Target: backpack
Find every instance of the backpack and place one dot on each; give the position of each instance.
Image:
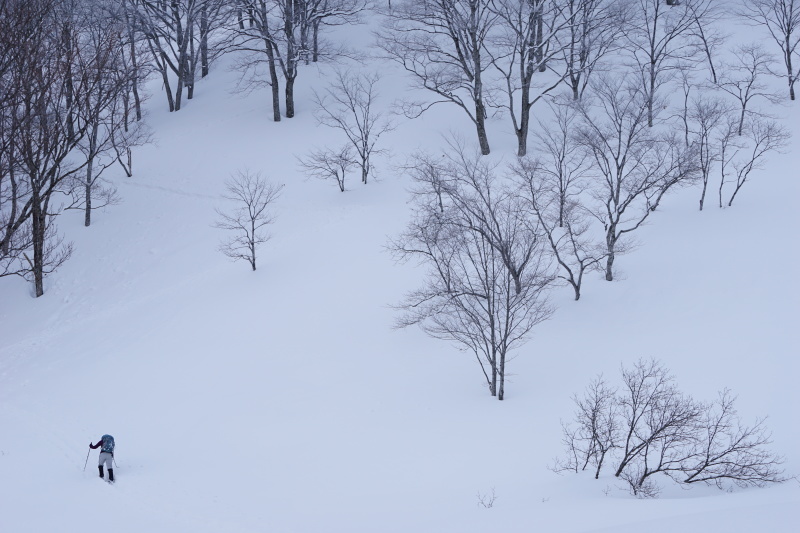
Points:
(108, 444)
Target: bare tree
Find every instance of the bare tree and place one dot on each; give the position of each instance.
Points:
(469, 295)
(744, 78)
(567, 229)
(330, 164)
(658, 425)
(552, 187)
(52, 70)
(525, 45)
(707, 32)
(177, 34)
(348, 104)
(441, 43)
(781, 18)
(657, 38)
(133, 49)
(593, 32)
(635, 165)
(318, 13)
(731, 451)
(741, 156)
(706, 120)
(20, 23)
(258, 47)
(596, 429)
(103, 107)
(253, 197)
(281, 36)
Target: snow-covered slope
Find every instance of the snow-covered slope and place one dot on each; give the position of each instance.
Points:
(282, 400)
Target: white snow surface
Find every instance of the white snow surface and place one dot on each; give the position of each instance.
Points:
(283, 401)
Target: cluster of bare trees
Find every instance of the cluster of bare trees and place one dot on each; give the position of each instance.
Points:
(65, 86)
(605, 162)
(349, 105)
(646, 426)
(280, 36)
(485, 55)
(495, 237)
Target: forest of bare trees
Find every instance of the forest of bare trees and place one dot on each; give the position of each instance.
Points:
(613, 105)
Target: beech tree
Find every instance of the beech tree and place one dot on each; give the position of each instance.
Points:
(593, 32)
(657, 40)
(740, 155)
(104, 107)
(279, 36)
(52, 71)
(635, 165)
(246, 220)
(552, 187)
(524, 49)
(487, 273)
(743, 78)
(708, 118)
(441, 43)
(177, 33)
(781, 18)
(349, 105)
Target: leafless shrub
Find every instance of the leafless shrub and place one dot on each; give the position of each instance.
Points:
(487, 500)
(649, 427)
(596, 430)
(329, 164)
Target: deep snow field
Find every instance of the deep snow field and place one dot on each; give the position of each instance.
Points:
(283, 401)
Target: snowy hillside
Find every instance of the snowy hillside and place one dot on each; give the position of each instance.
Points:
(283, 400)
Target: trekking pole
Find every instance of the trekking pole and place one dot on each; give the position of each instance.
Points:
(87, 460)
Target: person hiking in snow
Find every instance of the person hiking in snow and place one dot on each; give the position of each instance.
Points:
(106, 445)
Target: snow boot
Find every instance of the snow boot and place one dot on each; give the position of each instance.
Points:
(111, 475)
(100, 468)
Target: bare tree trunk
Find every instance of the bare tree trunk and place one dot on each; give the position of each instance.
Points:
(480, 110)
(165, 79)
(789, 68)
(87, 219)
(502, 372)
(190, 65)
(39, 222)
(315, 42)
(135, 67)
(524, 121)
(276, 99)
(611, 242)
(539, 37)
(289, 92)
(703, 195)
(651, 94)
(480, 123)
(204, 42)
